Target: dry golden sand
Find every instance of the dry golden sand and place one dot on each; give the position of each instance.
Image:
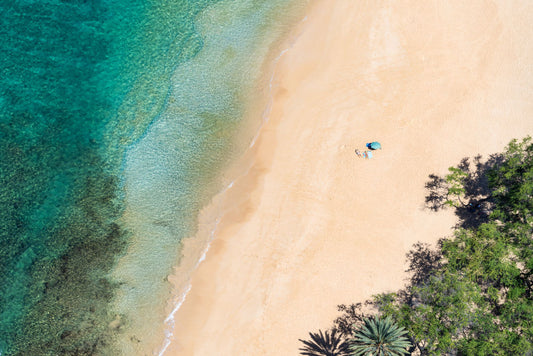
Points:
(311, 225)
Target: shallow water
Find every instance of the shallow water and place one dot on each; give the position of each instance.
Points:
(115, 120)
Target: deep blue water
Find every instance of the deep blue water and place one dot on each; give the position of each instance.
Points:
(67, 69)
(116, 117)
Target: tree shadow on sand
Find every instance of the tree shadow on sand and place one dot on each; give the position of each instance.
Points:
(474, 205)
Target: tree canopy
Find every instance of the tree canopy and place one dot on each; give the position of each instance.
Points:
(472, 295)
(380, 337)
(325, 344)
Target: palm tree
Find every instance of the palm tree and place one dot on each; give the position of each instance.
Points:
(380, 337)
(325, 345)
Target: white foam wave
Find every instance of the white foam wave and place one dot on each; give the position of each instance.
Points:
(170, 321)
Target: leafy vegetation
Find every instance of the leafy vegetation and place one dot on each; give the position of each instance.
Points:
(325, 345)
(473, 294)
(380, 337)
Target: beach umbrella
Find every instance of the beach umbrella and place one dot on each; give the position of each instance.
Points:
(374, 145)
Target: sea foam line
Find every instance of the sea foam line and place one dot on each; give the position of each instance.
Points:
(169, 320)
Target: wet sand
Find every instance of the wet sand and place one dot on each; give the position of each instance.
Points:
(310, 225)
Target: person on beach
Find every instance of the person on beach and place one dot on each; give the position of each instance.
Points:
(358, 153)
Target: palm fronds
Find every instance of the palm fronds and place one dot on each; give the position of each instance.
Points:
(325, 345)
(380, 337)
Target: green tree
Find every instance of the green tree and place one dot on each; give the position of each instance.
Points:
(512, 183)
(437, 313)
(380, 337)
(456, 187)
(325, 345)
(473, 294)
(476, 296)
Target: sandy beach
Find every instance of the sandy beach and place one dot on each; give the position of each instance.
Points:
(310, 225)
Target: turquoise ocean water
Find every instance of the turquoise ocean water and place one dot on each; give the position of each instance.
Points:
(116, 117)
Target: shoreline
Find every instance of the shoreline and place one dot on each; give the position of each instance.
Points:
(310, 223)
(194, 249)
